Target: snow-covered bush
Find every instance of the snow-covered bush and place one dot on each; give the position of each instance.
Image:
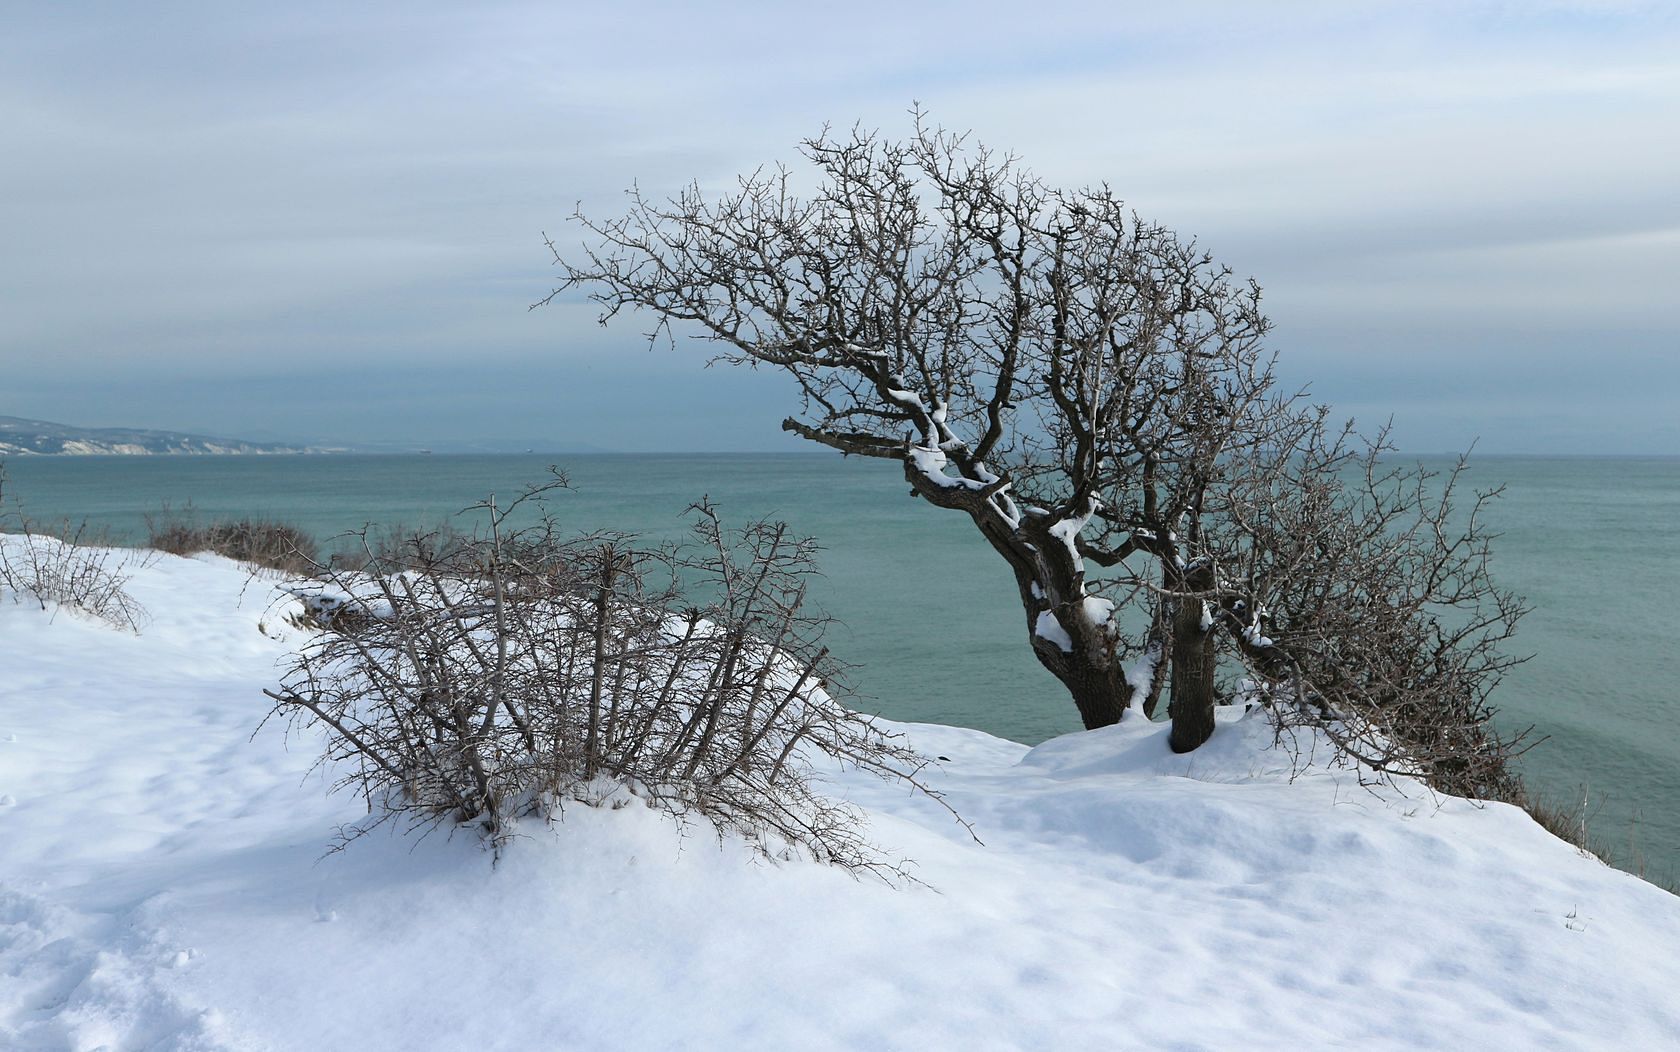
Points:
(504, 673)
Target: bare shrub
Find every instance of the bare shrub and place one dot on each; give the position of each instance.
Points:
(405, 547)
(88, 579)
(1358, 592)
(479, 678)
(272, 545)
(68, 568)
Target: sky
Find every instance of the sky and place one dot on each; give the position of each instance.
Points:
(324, 222)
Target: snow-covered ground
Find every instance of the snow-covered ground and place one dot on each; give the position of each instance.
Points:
(163, 886)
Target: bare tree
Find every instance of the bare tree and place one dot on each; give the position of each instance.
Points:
(1092, 392)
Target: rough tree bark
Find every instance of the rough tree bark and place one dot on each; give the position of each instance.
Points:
(1193, 639)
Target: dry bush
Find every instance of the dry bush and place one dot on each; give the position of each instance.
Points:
(399, 547)
(88, 579)
(484, 677)
(272, 545)
(68, 567)
(1358, 593)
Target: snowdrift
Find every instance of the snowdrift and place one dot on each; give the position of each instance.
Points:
(165, 883)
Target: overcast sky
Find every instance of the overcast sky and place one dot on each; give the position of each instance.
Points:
(323, 221)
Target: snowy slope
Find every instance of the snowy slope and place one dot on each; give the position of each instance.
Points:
(162, 885)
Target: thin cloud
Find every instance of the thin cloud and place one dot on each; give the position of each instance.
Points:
(206, 190)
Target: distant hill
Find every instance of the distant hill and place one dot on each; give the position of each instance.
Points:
(19, 437)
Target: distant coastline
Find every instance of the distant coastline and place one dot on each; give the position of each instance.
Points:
(21, 437)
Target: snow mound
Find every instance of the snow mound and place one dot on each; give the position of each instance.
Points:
(163, 885)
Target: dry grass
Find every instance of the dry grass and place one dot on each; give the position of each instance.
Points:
(1576, 822)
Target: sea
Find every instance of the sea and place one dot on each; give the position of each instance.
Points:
(928, 615)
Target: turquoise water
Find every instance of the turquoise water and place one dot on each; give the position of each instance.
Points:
(930, 616)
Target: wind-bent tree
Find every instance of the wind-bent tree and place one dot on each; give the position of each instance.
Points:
(1093, 393)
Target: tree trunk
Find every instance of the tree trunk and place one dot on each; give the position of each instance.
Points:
(1156, 649)
(1100, 696)
(1049, 579)
(1191, 703)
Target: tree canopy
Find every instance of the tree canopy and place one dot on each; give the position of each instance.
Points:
(1094, 392)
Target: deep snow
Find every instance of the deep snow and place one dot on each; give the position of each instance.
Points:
(163, 885)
